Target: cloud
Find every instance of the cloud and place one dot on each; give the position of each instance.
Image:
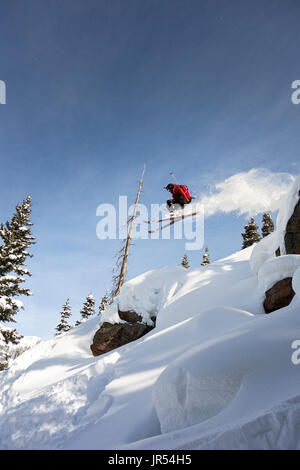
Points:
(248, 193)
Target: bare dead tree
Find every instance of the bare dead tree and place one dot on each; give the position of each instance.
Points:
(123, 253)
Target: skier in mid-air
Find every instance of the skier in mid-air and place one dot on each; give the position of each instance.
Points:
(180, 195)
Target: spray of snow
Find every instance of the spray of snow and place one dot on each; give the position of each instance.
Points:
(248, 193)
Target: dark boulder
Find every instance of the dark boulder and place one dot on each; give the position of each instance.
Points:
(279, 295)
(130, 316)
(111, 336)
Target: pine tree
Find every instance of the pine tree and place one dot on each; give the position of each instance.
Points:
(87, 310)
(65, 314)
(206, 259)
(251, 234)
(7, 336)
(17, 238)
(185, 262)
(268, 225)
(4, 356)
(10, 335)
(104, 303)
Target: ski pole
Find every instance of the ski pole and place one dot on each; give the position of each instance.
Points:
(174, 177)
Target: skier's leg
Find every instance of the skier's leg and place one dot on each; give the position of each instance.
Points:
(173, 206)
(183, 202)
(170, 205)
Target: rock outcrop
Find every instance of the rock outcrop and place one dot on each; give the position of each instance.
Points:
(292, 235)
(280, 295)
(113, 335)
(129, 316)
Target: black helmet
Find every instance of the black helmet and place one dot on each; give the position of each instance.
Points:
(169, 187)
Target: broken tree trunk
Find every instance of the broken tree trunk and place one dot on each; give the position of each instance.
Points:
(122, 274)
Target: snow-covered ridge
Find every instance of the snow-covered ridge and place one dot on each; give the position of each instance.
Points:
(264, 263)
(276, 269)
(81, 391)
(266, 248)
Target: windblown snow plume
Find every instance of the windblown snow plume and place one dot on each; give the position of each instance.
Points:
(248, 193)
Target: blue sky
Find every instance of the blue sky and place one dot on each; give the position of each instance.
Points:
(97, 88)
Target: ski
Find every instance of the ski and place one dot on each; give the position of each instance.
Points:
(164, 226)
(172, 221)
(163, 219)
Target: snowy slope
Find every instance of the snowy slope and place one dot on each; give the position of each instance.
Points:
(25, 343)
(216, 372)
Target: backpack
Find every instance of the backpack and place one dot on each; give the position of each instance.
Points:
(185, 190)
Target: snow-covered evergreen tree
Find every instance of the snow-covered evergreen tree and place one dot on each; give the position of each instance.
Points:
(10, 349)
(104, 303)
(16, 238)
(8, 336)
(206, 259)
(3, 353)
(87, 310)
(268, 225)
(251, 234)
(65, 314)
(185, 262)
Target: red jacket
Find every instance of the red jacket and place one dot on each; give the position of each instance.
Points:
(181, 191)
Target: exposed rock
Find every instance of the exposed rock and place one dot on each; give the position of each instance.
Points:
(130, 316)
(292, 235)
(112, 336)
(279, 296)
(282, 293)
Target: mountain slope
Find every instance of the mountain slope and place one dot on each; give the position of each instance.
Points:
(216, 372)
